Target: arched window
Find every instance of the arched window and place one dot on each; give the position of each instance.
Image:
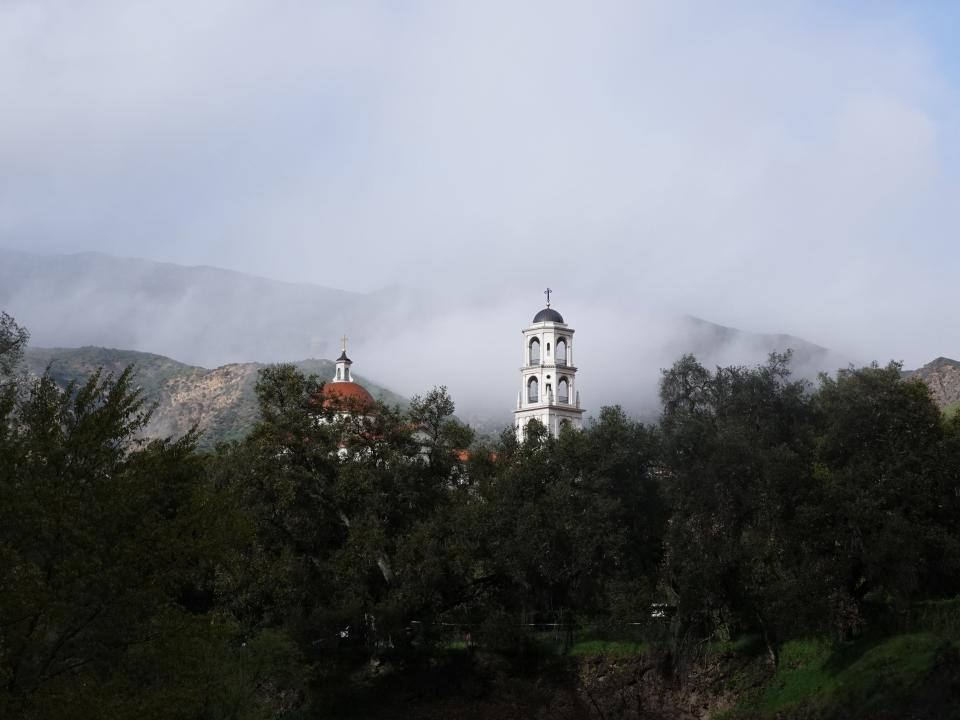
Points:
(535, 351)
(561, 356)
(346, 373)
(533, 390)
(339, 375)
(563, 391)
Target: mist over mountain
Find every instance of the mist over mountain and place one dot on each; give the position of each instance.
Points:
(200, 315)
(406, 339)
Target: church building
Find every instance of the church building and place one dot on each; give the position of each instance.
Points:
(548, 379)
(342, 394)
(548, 376)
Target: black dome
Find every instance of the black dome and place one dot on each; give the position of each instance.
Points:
(548, 315)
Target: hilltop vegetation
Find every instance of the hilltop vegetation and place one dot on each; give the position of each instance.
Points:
(798, 545)
(942, 376)
(222, 402)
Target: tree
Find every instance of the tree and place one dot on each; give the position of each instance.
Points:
(13, 341)
(432, 416)
(804, 512)
(347, 519)
(100, 536)
(737, 446)
(542, 538)
(883, 531)
(283, 476)
(618, 459)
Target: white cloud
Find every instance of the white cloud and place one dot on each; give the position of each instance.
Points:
(777, 167)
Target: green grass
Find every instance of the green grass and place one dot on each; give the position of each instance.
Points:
(939, 617)
(609, 648)
(590, 641)
(743, 645)
(856, 680)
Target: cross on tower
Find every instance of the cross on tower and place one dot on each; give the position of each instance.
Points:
(547, 293)
(343, 343)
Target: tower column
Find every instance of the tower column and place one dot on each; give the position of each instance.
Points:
(547, 329)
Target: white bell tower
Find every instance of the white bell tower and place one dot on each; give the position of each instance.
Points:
(548, 385)
(342, 364)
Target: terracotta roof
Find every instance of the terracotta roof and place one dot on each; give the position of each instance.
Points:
(347, 397)
(465, 455)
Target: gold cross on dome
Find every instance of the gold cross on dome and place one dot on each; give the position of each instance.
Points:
(343, 343)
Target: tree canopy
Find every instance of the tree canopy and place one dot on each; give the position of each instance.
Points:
(148, 579)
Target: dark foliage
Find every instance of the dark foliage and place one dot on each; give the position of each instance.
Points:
(262, 580)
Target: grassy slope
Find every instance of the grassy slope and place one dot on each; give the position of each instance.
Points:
(882, 677)
(863, 679)
(905, 675)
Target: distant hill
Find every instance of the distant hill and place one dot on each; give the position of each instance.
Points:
(942, 376)
(410, 337)
(721, 345)
(222, 401)
(204, 315)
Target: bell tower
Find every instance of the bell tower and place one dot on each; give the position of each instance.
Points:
(548, 377)
(343, 364)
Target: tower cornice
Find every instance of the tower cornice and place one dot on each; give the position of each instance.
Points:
(558, 368)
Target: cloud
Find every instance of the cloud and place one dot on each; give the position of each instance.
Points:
(776, 167)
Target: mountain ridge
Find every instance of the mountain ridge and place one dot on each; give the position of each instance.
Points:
(206, 315)
(220, 401)
(942, 376)
(211, 317)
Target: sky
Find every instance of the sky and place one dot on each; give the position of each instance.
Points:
(779, 167)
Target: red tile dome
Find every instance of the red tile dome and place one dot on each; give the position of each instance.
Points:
(347, 397)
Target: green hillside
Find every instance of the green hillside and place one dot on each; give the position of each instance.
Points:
(942, 376)
(221, 402)
(68, 364)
